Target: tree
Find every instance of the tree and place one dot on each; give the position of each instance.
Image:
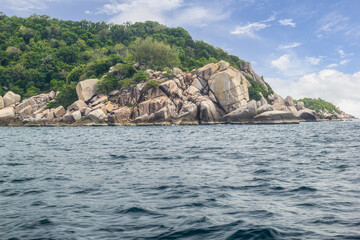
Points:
(154, 54)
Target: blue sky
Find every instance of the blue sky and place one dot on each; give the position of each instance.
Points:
(303, 48)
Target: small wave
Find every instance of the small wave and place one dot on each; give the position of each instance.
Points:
(12, 164)
(137, 211)
(21, 180)
(114, 156)
(33, 192)
(86, 190)
(256, 233)
(304, 189)
(261, 171)
(38, 203)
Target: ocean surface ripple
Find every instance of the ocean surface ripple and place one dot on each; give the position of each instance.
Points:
(181, 182)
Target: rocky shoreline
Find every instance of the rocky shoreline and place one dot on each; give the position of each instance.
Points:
(214, 94)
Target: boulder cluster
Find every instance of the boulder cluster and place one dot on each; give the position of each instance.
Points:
(215, 93)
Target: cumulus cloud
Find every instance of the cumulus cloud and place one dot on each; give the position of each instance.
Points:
(336, 87)
(250, 28)
(282, 63)
(169, 12)
(290, 45)
(313, 60)
(287, 22)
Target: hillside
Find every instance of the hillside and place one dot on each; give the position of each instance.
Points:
(39, 54)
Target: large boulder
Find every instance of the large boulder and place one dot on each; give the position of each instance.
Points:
(264, 108)
(76, 115)
(7, 114)
(76, 105)
(208, 70)
(188, 113)
(86, 89)
(25, 112)
(27, 102)
(300, 106)
(289, 101)
(1, 103)
(97, 116)
(275, 117)
(242, 115)
(151, 106)
(208, 112)
(307, 115)
(11, 98)
(171, 89)
(59, 112)
(229, 88)
(121, 115)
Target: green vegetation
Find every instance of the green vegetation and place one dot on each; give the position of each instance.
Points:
(67, 95)
(256, 89)
(38, 54)
(319, 105)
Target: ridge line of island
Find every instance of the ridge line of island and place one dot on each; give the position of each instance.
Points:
(214, 94)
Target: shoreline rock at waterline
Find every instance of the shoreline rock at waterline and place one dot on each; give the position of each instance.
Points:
(214, 94)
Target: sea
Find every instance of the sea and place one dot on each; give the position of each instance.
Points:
(181, 182)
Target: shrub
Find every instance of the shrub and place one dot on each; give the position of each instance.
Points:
(67, 95)
(154, 54)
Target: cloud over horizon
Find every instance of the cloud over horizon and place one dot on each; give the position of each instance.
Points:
(331, 85)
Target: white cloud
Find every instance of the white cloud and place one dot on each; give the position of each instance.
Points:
(28, 6)
(313, 60)
(333, 22)
(140, 10)
(290, 45)
(169, 12)
(88, 12)
(287, 22)
(282, 63)
(250, 28)
(343, 54)
(333, 65)
(336, 87)
(345, 61)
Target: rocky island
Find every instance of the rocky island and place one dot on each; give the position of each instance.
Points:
(214, 94)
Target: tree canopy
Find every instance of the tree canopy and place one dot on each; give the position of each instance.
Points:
(39, 54)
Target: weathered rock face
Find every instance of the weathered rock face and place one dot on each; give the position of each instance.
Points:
(76, 105)
(1, 103)
(246, 69)
(59, 111)
(11, 98)
(229, 88)
(86, 89)
(7, 114)
(275, 117)
(307, 115)
(97, 116)
(208, 112)
(216, 93)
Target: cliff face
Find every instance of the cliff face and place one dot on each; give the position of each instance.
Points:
(215, 93)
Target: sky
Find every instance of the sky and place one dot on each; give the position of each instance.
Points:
(303, 48)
